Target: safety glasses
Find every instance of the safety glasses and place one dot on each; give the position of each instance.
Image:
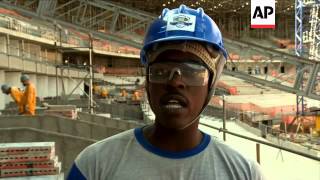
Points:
(192, 74)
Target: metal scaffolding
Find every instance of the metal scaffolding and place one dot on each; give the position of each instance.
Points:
(114, 22)
(304, 35)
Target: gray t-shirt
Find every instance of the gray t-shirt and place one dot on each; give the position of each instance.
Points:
(129, 156)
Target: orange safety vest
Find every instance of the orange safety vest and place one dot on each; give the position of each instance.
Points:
(136, 96)
(29, 100)
(104, 92)
(16, 95)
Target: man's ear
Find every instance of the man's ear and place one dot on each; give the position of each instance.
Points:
(146, 87)
(219, 69)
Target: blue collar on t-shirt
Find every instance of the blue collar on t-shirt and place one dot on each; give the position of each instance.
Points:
(168, 154)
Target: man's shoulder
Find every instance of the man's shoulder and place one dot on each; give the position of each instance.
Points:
(112, 143)
(31, 85)
(228, 154)
(15, 89)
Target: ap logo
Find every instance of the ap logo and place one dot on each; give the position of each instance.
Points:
(263, 14)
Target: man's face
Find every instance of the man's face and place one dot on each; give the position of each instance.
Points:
(25, 83)
(178, 101)
(5, 92)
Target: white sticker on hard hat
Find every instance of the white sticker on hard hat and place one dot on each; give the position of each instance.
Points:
(181, 22)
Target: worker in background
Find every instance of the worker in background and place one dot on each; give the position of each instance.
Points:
(16, 95)
(29, 96)
(136, 96)
(104, 92)
(123, 93)
(95, 89)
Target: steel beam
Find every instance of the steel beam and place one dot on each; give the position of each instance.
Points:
(90, 19)
(67, 12)
(100, 20)
(131, 27)
(80, 28)
(114, 21)
(65, 4)
(274, 85)
(29, 3)
(268, 51)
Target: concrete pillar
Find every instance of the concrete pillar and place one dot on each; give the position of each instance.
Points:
(60, 86)
(66, 85)
(52, 86)
(42, 86)
(12, 79)
(2, 96)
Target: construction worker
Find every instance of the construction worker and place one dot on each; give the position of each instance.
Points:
(95, 89)
(123, 93)
(136, 96)
(184, 56)
(29, 96)
(16, 95)
(104, 92)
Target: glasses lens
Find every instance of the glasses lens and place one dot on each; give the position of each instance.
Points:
(192, 74)
(159, 73)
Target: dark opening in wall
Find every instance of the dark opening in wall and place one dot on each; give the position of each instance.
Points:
(110, 63)
(282, 69)
(265, 69)
(249, 70)
(233, 68)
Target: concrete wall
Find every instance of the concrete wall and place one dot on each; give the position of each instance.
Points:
(77, 128)
(109, 122)
(65, 86)
(121, 110)
(3, 44)
(42, 86)
(51, 86)
(2, 96)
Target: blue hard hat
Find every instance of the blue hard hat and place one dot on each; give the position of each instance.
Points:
(5, 88)
(183, 23)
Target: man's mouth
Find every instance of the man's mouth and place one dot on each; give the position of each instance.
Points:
(174, 102)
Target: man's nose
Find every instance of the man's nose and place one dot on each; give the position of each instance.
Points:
(175, 78)
(175, 72)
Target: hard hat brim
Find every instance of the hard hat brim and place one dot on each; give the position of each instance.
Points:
(181, 38)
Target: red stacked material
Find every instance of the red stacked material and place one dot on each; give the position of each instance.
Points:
(231, 89)
(256, 57)
(234, 56)
(11, 12)
(28, 159)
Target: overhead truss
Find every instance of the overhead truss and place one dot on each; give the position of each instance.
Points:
(115, 22)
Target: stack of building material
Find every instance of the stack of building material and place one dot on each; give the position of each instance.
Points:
(69, 111)
(28, 159)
